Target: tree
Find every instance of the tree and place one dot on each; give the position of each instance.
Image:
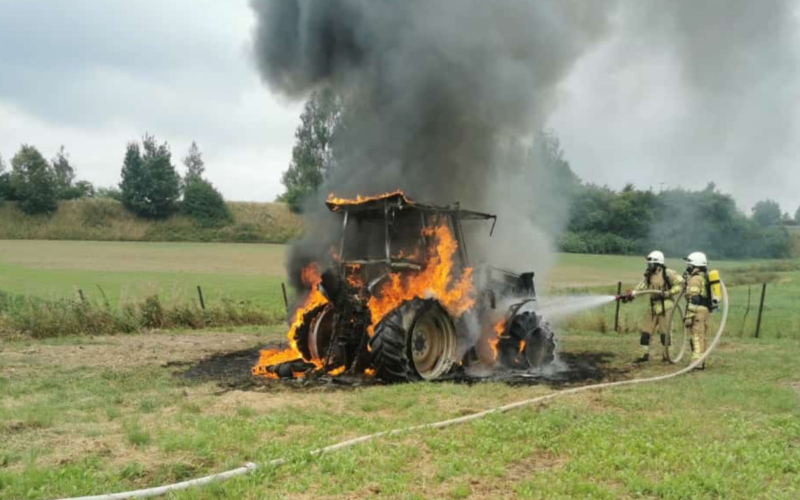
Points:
(767, 213)
(195, 166)
(797, 216)
(64, 173)
(5, 182)
(33, 182)
(312, 155)
(204, 203)
(150, 184)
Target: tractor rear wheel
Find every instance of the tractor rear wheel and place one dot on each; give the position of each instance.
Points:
(416, 341)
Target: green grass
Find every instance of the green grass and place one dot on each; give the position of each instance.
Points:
(89, 415)
(730, 432)
(130, 270)
(107, 220)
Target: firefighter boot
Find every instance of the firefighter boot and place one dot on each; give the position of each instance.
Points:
(697, 350)
(664, 348)
(644, 341)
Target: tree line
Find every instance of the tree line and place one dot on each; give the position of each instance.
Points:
(150, 185)
(585, 218)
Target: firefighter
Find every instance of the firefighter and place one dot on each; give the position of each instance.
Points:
(698, 303)
(665, 284)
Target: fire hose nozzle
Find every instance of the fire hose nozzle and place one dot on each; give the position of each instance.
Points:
(626, 297)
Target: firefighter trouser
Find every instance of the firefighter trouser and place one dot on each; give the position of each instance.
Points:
(655, 324)
(697, 323)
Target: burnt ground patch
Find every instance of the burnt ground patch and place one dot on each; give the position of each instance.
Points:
(231, 371)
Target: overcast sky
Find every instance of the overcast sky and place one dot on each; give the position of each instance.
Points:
(95, 74)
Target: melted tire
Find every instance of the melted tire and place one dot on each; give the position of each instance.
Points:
(509, 347)
(301, 335)
(539, 345)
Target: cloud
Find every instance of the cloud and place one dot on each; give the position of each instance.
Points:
(96, 75)
(680, 93)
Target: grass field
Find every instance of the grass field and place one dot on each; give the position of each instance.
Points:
(130, 271)
(89, 415)
(58, 269)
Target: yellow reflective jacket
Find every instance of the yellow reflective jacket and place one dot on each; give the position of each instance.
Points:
(696, 292)
(666, 281)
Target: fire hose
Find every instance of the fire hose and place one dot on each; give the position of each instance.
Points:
(250, 467)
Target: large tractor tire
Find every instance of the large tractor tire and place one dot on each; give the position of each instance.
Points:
(313, 336)
(416, 341)
(526, 343)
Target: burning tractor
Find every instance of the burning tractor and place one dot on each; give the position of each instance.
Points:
(402, 303)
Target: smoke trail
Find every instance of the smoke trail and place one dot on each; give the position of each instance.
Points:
(691, 92)
(436, 91)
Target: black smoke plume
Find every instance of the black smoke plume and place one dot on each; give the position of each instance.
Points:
(436, 93)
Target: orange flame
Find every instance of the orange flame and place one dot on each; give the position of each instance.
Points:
(358, 200)
(434, 280)
(336, 372)
(311, 278)
(498, 328)
(353, 279)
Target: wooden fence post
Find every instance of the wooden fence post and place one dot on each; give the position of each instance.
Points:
(761, 309)
(285, 297)
(616, 314)
(200, 295)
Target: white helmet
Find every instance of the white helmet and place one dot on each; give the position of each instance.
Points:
(697, 259)
(656, 258)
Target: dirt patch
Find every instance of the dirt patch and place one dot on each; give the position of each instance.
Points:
(122, 351)
(232, 372)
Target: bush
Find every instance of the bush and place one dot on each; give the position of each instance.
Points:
(81, 189)
(597, 243)
(33, 182)
(47, 319)
(205, 204)
(150, 185)
(110, 193)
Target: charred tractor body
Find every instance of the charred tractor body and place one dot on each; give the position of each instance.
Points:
(402, 301)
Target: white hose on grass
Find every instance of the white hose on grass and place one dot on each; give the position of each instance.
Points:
(250, 467)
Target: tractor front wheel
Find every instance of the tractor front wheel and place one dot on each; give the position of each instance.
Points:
(526, 343)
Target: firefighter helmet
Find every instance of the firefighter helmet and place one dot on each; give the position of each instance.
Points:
(696, 259)
(656, 257)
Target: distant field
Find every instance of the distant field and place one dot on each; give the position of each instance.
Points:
(58, 267)
(126, 270)
(579, 270)
(130, 271)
